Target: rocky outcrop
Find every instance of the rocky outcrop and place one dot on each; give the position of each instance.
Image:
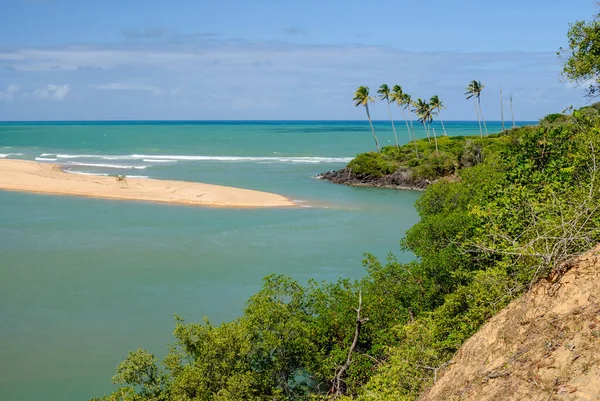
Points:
(543, 346)
(401, 179)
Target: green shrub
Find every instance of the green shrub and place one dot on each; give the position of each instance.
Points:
(372, 164)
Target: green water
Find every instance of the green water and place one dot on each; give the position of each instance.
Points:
(83, 281)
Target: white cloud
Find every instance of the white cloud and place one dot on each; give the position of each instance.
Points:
(255, 80)
(128, 87)
(9, 93)
(52, 92)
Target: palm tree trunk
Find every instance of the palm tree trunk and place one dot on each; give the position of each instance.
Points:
(412, 127)
(372, 129)
(478, 119)
(482, 119)
(444, 128)
(409, 135)
(512, 113)
(501, 108)
(426, 128)
(393, 127)
(437, 153)
(407, 127)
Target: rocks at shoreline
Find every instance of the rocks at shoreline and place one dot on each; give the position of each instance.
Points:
(401, 179)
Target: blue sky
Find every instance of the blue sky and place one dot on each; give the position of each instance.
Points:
(278, 59)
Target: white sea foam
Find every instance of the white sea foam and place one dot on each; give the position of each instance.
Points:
(284, 159)
(4, 155)
(120, 166)
(45, 159)
(47, 154)
(136, 176)
(84, 173)
(174, 158)
(159, 161)
(104, 157)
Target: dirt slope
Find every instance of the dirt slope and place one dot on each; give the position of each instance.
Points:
(543, 346)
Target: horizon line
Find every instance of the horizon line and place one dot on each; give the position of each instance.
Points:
(252, 120)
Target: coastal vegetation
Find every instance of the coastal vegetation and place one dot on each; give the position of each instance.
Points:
(527, 204)
(520, 206)
(424, 110)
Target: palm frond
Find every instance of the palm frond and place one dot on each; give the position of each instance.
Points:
(361, 96)
(384, 92)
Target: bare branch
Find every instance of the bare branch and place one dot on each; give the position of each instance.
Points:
(337, 389)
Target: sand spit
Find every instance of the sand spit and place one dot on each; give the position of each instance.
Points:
(30, 176)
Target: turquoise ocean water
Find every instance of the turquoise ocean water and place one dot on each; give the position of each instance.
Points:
(83, 281)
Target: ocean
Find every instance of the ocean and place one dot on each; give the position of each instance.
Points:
(83, 281)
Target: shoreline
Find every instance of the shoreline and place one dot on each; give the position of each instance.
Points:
(31, 176)
(399, 180)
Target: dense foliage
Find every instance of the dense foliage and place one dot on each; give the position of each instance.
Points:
(423, 159)
(523, 202)
(583, 62)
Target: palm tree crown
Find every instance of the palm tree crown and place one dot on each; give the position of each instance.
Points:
(474, 89)
(436, 107)
(423, 110)
(407, 100)
(397, 95)
(436, 104)
(361, 96)
(384, 92)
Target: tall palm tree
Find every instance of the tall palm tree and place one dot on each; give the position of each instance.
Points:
(480, 110)
(512, 113)
(437, 105)
(362, 98)
(398, 96)
(384, 94)
(423, 112)
(472, 92)
(406, 105)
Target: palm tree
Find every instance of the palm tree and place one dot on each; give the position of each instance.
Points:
(423, 112)
(501, 108)
(384, 94)
(362, 98)
(472, 92)
(512, 112)
(406, 105)
(479, 102)
(398, 96)
(437, 105)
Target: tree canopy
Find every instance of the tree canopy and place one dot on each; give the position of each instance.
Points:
(582, 64)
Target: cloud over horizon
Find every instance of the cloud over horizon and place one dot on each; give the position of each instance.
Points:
(203, 77)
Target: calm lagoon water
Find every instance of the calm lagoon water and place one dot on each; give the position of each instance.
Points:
(83, 281)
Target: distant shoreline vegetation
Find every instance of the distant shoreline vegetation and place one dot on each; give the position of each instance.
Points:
(419, 163)
(401, 168)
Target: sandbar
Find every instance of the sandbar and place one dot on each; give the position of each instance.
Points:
(30, 176)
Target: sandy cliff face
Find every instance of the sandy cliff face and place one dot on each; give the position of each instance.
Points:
(543, 346)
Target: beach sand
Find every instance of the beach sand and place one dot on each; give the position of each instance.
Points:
(30, 176)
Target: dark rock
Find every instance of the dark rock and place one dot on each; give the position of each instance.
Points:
(401, 179)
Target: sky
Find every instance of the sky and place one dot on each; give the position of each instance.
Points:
(279, 59)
